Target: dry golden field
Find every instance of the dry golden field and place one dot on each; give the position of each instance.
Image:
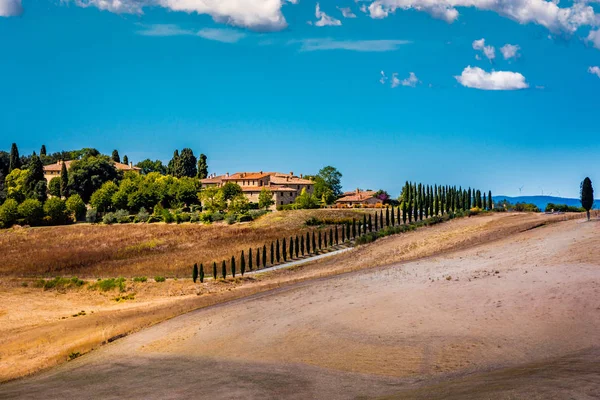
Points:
(94, 251)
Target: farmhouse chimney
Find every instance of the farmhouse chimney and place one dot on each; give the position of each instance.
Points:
(131, 164)
(292, 173)
(357, 190)
(227, 174)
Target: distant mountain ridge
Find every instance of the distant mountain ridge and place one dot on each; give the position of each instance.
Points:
(542, 201)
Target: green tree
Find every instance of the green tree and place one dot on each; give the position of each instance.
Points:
(125, 159)
(587, 196)
(277, 251)
(54, 186)
(306, 200)
(250, 259)
(224, 270)
(202, 167)
(9, 213)
(187, 163)
(213, 199)
(265, 198)
(36, 185)
(174, 167)
(194, 269)
(31, 211)
(89, 174)
(233, 266)
(214, 270)
(258, 258)
(272, 254)
(490, 204)
(291, 248)
(297, 246)
(56, 211)
(15, 160)
(370, 223)
(302, 245)
(239, 204)
(314, 242)
(353, 228)
(201, 273)
(320, 241)
(331, 179)
(76, 207)
(243, 264)
(307, 243)
(231, 190)
(149, 166)
(116, 158)
(16, 184)
(64, 180)
(43, 150)
(264, 256)
(101, 200)
(284, 250)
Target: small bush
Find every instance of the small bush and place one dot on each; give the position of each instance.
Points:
(167, 217)
(194, 217)
(105, 285)
(76, 207)
(73, 355)
(257, 213)
(140, 279)
(244, 218)
(109, 218)
(231, 219)
(142, 215)
(59, 283)
(217, 217)
(160, 278)
(9, 212)
(122, 216)
(56, 211)
(91, 216)
(31, 211)
(205, 218)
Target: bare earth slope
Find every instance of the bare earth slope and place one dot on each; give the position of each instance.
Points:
(433, 327)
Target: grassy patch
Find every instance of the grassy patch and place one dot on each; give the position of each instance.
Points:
(140, 279)
(105, 285)
(160, 278)
(59, 283)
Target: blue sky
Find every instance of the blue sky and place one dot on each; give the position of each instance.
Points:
(406, 89)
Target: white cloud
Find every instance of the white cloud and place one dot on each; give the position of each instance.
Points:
(347, 12)
(352, 45)
(10, 8)
(594, 70)
(324, 19)
(488, 51)
(363, 8)
(262, 15)
(474, 77)
(542, 12)
(594, 38)
(383, 78)
(221, 35)
(510, 51)
(411, 81)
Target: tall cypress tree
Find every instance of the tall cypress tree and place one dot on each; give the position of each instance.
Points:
(359, 228)
(348, 237)
(307, 243)
(587, 196)
(376, 222)
(484, 202)
(284, 248)
(43, 150)
(469, 194)
(370, 223)
(490, 202)
(387, 216)
(36, 184)
(398, 214)
(201, 273)
(195, 273)
(353, 228)
(381, 219)
(343, 233)
(314, 242)
(214, 270)
(250, 258)
(297, 246)
(302, 245)
(258, 258)
(202, 167)
(291, 248)
(336, 236)
(392, 216)
(277, 253)
(320, 241)
(243, 264)
(272, 254)
(115, 156)
(224, 269)
(14, 159)
(264, 256)
(64, 181)
(330, 237)
(364, 228)
(233, 266)
(125, 159)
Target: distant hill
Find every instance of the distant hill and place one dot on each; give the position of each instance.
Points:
(542, 201)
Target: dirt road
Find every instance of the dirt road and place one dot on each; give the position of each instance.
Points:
(409, 330)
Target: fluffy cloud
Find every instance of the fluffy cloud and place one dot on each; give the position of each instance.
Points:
(10, 8)
(545, 13)
(489, 51)
(594, 38)
(474, 77)
(324, 19)
(262, 15)
(347, 12)
(411, 81)
(594, 70)
(510, 51)
(352, 45)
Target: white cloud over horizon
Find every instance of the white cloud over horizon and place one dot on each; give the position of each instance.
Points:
(10, 8)
(595, 70)
(477, 78)
(324, 19)
(351, 45)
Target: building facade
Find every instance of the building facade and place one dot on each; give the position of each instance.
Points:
(364, 198)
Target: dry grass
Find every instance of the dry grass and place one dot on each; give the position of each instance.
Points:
(144, 250)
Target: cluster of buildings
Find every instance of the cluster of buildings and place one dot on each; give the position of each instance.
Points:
(285, 187)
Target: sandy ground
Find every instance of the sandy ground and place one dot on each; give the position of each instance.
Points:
(520, 313)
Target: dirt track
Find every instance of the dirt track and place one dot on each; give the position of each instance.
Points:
(396, 330)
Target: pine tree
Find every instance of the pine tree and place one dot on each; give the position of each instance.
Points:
(469, 194)
(314, 242)
(187, 164)
(233, 266)
(353, 228)
(173, 167)
(376, 222)
(201, 273)
(272, 254)
(291, 248)
(484, 202)
(243, 264)
(214, 270)
(14, 159)
(64, 181)
(115, 156)
(330, 237)
(125, 159)
(284, 248)
(277, 251)
(398, 214)
(250, 258)
(381, 219)
(195, 273)
(264, 256)
(43, 150)
(202, 167)
(224, 269)
(258, 258)
(490, 202)
(36, 184)
(364, 224)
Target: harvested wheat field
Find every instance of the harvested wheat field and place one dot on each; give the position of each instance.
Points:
(497, 306)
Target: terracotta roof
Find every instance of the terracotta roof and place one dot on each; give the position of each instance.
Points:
(119, 166)
(214, 179)
(287, 180)
(245, 175)
(272, 188)
(356, 196)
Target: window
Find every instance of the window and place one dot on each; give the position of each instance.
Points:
(281, 202)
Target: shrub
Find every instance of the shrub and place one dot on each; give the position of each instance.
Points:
(205, 217)
(122, 216)
(76, 207)
(31, 211)
(109, 218)
(56, 211)
(257, 213)
(194, 216)
(91, 215)
(244, 218)
(59, 283)
(105, 285)
(54, 186)
(9, 212)
(167, 217)
(140, 279)
(217, 216)
(142, 215)
(160, 278)
(230, 219)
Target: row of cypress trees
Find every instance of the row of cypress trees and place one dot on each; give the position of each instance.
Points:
(418, 202)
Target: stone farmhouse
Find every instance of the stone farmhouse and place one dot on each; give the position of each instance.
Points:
(364, 198)
(53, 170)
(285, 187)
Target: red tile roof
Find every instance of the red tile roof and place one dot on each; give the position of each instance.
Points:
(356, 196)
(119, 166)
(272, 188)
